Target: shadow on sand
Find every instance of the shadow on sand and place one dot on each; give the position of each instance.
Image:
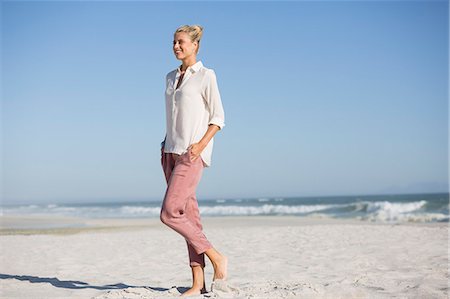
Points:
(74, 284)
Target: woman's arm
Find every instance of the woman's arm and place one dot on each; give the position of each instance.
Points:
(216, 115)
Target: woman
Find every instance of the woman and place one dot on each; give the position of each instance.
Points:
(194, 114)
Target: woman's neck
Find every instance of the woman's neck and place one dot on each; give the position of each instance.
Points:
(186, 64)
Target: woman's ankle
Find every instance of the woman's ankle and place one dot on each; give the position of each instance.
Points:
(213, 255)
(198, 277)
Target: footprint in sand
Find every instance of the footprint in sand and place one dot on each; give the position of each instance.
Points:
(224, 289)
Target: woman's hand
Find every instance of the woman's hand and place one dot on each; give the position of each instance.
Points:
(196, 149)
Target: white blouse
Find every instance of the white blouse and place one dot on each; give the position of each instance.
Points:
(191, 108)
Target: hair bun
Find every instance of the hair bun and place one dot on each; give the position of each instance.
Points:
(199, 31)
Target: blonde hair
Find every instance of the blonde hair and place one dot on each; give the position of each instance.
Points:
(195, 32)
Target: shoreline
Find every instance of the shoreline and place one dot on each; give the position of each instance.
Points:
(62, 225)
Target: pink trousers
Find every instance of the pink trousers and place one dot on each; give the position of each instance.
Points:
(179, 209)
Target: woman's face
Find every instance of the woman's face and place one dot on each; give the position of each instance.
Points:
(183, 46)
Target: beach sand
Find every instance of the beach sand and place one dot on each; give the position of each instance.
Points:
(269, 257)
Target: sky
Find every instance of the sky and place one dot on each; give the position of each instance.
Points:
(321, 98)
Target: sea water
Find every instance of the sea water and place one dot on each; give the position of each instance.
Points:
(375, 208)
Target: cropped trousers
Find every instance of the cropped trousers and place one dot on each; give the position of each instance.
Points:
(179, 209)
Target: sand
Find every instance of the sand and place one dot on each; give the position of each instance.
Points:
(269, 257)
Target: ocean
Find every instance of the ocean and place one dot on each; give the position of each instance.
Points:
(375, 208)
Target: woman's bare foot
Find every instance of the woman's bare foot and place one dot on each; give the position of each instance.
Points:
(194, 291)
(219, 262)
(220, 266)
(198, 282)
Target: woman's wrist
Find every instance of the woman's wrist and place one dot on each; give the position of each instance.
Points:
(203, 143)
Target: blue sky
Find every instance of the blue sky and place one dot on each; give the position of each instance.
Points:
(320, 98)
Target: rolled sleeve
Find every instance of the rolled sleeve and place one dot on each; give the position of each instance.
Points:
(214, 101)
